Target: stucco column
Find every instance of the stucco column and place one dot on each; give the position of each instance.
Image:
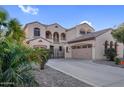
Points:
(93, 51)
(68, 55)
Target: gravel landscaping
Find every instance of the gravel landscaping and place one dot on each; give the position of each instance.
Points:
(52, 78)
(110, 63)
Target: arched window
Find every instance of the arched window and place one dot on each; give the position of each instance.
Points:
(36, 32)
(111, 44)
(116, 46)
(89, 31)
(106, 46)
(63, 37)
(82, 31)
(56, 37)
(48, 35)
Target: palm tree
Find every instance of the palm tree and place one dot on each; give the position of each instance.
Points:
(15, 65)
(43, 55)
(15, 31)
(16, 59)
(3, 18)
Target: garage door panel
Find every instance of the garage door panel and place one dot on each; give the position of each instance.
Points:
(83, 53)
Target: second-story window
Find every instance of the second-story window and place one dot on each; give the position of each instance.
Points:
(48, 35)
(82, 31)
(63, 36)
(56, 26)
(88, 32)
(36, 32)
(56, 37)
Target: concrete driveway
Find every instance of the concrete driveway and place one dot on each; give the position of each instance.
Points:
(89, 72)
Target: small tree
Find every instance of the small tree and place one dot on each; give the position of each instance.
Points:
(110, 54)
(118, 34)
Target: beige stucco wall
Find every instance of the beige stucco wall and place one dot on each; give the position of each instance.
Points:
(30, 34)
(75, 32)
(59, 30)
(71, 34)
(36, 42)
(30, 28)
(99, 45)
(85, 27)
(120, 50)
(97, 49)
(68, 55)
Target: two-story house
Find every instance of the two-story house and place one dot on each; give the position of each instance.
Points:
(81, 41)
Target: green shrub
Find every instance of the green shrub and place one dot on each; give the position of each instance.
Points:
(117, 61)
(110, 54)
(15, 58)
(43, 55)
(15, 65)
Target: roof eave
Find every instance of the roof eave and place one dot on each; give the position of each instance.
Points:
(86, 39)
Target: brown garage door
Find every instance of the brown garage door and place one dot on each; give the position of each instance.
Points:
(82, 53)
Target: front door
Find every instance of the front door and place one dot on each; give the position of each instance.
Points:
(52, 51)
(57, 52)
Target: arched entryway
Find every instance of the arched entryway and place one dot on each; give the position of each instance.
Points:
(56, 37)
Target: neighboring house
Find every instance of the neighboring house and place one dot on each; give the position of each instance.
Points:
(81, 41)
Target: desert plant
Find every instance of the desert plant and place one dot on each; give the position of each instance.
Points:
(15, 65)
(14, 31)
(110, 54)
(43, 54)
(117, 61)
(16, 59)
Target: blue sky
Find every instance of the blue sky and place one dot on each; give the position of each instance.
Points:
(68, 16)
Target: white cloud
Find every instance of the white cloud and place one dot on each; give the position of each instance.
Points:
(89, 23)
(29, 9)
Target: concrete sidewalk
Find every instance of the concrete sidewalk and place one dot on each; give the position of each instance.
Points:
(89, 72)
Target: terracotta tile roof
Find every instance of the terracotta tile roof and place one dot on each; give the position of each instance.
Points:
(89, 36)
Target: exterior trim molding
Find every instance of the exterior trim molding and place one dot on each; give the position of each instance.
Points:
(37, 38)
